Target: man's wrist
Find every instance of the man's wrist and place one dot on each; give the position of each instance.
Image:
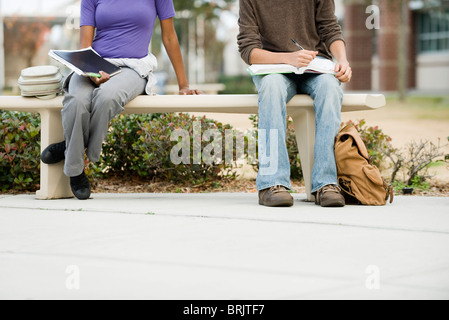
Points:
(283, 57)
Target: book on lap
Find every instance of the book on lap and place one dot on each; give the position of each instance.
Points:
(318, 66)
(85, 62)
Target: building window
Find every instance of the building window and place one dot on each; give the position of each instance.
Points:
(433, 31)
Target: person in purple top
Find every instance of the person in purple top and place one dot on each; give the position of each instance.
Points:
(120, 31)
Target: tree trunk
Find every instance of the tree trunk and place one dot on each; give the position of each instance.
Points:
(402, 52)
(2, 53)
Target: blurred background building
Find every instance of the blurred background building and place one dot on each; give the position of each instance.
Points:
(413, 34)
(409, 50)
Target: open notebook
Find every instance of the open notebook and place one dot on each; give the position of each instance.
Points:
(318, 65)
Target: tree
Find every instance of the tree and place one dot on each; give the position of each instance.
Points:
(196, 31)
(210, 9)
(25, 36)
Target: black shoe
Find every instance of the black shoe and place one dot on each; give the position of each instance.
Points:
(80, 186)
(54, 153)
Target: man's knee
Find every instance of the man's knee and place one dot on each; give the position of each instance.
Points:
(328, 97)
(329, 86)
(273, 84)
(273, 92)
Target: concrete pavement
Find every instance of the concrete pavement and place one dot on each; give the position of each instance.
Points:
(221, 246)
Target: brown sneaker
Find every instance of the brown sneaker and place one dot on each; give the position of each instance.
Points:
(277, 196)
(330, 196)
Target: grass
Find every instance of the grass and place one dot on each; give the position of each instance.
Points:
(418, 186)
(422, 107)
(437, 164)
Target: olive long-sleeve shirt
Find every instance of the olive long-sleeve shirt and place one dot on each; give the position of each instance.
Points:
(270, 25)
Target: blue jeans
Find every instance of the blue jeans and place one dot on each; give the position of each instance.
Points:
(275, 91)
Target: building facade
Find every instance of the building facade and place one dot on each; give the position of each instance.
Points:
(411, 34)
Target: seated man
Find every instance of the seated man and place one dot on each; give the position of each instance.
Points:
(266, 32)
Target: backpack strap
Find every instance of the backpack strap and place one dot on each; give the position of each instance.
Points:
(390, 192)
(351, 131)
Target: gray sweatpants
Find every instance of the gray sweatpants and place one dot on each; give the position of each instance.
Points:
(88, 111)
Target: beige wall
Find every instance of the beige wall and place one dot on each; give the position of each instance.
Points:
(433, 72)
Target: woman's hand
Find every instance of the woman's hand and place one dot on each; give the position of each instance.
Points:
(186, 91)
(104, 78)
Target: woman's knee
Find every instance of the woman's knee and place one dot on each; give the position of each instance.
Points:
(76, 104)
(105, 101)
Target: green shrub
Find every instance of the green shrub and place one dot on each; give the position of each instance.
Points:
(19, 151)
(117, 154)
(418, 183)
(376, 141)
(414, 161)
(136, 145)
(141, 145)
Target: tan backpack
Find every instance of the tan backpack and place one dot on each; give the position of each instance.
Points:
(360, 180)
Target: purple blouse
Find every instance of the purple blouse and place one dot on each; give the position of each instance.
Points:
(124, 27)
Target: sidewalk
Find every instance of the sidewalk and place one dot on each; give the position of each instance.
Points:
(221, 246)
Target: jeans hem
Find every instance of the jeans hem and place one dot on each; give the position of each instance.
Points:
(288, 186)
(323, 185)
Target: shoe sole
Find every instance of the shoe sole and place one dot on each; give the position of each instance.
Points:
(279, 204)
(82, 198)
(85, 196)
(332, 204)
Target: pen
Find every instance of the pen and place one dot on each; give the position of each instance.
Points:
(95, 75)
(297, 44)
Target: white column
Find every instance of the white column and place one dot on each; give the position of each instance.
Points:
(201, 60)
(192, 53)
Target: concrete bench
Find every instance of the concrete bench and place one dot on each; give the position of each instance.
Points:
(55, 185)
(208, 88)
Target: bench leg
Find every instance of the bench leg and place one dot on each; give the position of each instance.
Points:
(304, 122)
(54, 184)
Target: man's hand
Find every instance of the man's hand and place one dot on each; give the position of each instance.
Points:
(186, 91)
(104, 78)
(300, 58)
(344, 71)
